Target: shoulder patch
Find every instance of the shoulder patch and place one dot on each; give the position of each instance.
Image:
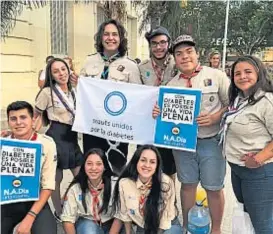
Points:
(47, 137)
(131, 59)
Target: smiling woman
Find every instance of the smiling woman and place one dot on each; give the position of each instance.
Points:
(145, 197)
(57, 102)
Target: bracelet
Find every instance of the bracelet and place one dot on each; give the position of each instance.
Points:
(32, 213)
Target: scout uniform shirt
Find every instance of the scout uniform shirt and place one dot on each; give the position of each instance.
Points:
(122, 69)
(73, 208)
(48, 161)
(58, 112)
(214, 85)
(148, 73)
(250, 129)
(129, 202)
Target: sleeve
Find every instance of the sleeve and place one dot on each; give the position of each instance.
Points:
(268, 119)
(135, 76)
(83, 70)
(69, 212)
(42, 101)
(169, 211)
(122, 214)
(224, 83)
(49, 166)
(42, 75)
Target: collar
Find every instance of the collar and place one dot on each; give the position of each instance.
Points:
(167, 60)
(194, 73)
(140, 184)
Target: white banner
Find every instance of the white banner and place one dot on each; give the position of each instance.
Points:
(115, 110)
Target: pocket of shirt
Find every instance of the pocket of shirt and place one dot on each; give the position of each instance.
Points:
(116, 75)
(210, 96)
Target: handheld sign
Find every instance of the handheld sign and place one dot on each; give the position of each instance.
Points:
(176, 127)
(20, 170)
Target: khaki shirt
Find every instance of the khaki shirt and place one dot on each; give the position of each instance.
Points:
(58, 112)
(148, 74)
(250, 130)
(73, 208)
(48, 161)
(123, 69)
(129, 202)
(214, 85)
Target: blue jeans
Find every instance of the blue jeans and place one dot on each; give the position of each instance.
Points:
(254, 188)
(175, 228)
(207, 164)
(87, 226)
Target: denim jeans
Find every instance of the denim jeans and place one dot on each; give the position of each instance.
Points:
(175, 228)
(254, 188)
(87, 226)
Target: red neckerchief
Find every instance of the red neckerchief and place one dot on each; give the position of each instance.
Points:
(188, 77)
(95, 193)
(144, 190)
(160, 70)
(32, 138)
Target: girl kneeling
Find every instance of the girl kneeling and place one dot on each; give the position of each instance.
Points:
(87, 199)
(144, 197)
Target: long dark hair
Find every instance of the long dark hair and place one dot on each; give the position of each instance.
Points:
(154, 199)
(263, 82)
(50, 82)
(122, 49)
(82, 180)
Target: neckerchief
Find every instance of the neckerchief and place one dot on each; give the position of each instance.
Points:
(144, 192)
(32, 138)
(107, 62)
(160, 70)
(238, 106)
(69, 103)
(188, 77)
(95, 193)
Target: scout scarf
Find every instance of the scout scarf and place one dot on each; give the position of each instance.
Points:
(95, 193)
(144, 192)
(107, 62)
(68, 102)
(188, 77)
(232, 111)
(160, 70)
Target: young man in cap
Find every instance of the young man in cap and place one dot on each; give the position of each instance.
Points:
(31, 216)
(207, 164)
(156, 71)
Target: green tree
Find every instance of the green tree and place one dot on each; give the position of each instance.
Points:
(250, 26)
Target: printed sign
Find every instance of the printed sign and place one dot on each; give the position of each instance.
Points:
(176, 127)
(115, 111)
(20, 170)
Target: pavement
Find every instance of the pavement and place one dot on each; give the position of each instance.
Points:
(230, 199)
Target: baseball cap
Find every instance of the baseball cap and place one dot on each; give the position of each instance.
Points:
(183, 39)
(159, 30)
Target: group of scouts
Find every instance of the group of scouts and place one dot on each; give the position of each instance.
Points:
(109, 196)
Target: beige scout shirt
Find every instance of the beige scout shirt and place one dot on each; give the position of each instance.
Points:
(129, 202)
(57, 113)
(123, 69)
(48, 162)
(73, 208)
(214, 85)
(149, 76)
(250, 130)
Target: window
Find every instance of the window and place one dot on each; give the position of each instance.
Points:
(58, 26)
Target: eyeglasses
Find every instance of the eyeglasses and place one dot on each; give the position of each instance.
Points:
(162, 43)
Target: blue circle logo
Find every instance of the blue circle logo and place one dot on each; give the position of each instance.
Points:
(115, 103)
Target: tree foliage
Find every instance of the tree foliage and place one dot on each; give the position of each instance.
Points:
(250, 23)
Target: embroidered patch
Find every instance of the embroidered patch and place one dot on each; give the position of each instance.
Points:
(120, 68)
(211, 99)
(174, 72)
(208, 82)
(148, 74)
(55, 158)
(80, 197)
(132, 212)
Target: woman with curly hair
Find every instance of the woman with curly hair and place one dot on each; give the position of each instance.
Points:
(110, 63)
(144, 197)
